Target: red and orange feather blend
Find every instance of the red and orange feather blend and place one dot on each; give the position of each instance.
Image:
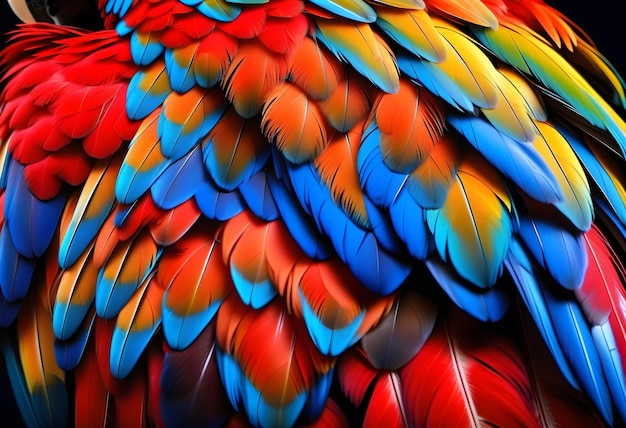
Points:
(312, 213)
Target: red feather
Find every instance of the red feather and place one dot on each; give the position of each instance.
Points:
(464, 377)
(602, 295)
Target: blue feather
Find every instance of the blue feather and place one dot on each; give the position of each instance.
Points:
(612, 365)
(242, 393)
(112, 294)
(216, 204)
(318, 395)
(329, 341)
(16, 271)
(379, 183)
(181, 332)
(485, 305)
(557, 248)
(131, 184)
(69, 352)
(181, 76)
(179, 182)
(565, 329)
(299, 224)
(141, 102)
(598, 174)
(381, 226)
(526, 279)
(409, 222)
(435, 80)
(258, 196)
(144, 48)
(178, 138)
(518, 161)
(254, 294)
(359, 12)
(31, 221)
(371, 264)
(67, 318)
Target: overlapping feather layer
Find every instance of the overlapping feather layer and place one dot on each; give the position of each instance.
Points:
(322, 213)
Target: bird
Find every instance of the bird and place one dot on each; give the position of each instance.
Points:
(276, 213)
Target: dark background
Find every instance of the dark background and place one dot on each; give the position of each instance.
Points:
(603, 20)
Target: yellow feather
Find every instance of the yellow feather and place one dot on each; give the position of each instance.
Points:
(566, 168)
(468, 66)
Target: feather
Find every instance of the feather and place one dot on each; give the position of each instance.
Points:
(604, 172)
(69, 352)
(401, 333)
(294, 123)
(413, 30)
(75, 294)
(93, 206)
(430, 182)
(510, 113)
(175, 223)
(355, 10)
(216, 204)
(486, 305)
(186, 118)
(531, 54)
(145, 47)
(409, 222)
(300, 225)
(357, 44)
(30, 221)
(336, 310)
(545, 235)
(94, 404)
(563, 327)
(520, 162)
(180, 181)
(179, 64)
(267, 364)
(189, 377)
(348, 104)
(245, 244)
(372, 264)
(130, 263)
(16, 271)
(465, 378)
(465, 228)
(244, 89)
(258, 196)
(378, 393)
(44, 379)
(234, 150)
(337, 168)
(212, 59)
(473, 11)
(196, 282)
(314, 71)
(379, 183)
(576, 202)
(147, 90)
(410, 123)
(143, 162)
(135, 325)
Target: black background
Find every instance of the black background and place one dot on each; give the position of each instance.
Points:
(603, 20)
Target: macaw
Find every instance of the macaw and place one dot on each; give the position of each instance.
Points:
(314, 213)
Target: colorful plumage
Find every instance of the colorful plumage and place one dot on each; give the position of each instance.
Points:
(313, 213)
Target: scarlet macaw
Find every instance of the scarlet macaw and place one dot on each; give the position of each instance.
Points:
(317, 213)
